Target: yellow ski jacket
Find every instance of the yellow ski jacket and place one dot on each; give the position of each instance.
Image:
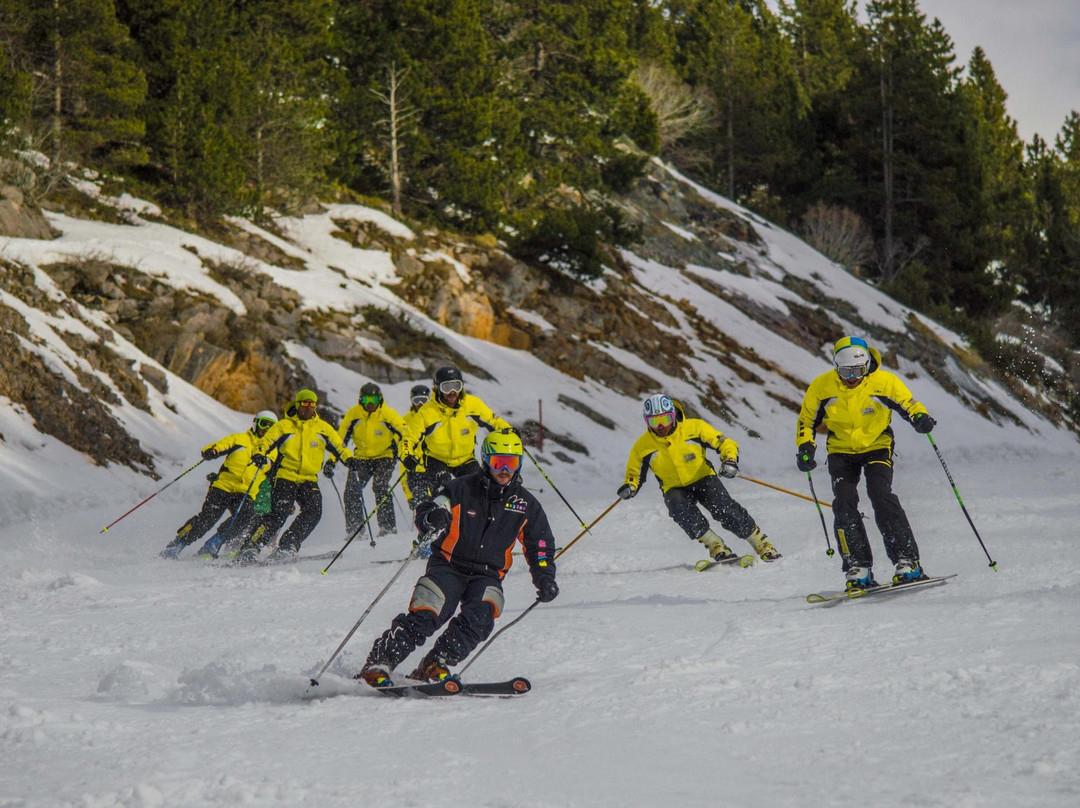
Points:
(449, 433)
(237, 473)
(303, 446)
(376, 434)
(857, 420)
(678, 460)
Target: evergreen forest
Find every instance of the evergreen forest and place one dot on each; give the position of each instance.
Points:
(860, 128)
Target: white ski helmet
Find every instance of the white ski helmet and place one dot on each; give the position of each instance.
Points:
(655, 408)
(264, 419)
(851, 356)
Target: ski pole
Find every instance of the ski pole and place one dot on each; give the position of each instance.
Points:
(536, 603)
(830, 552)
(236, 515)
(414, 554)
(557, 491)
(341, 502)
(356, 532)
(993, 564)
(192, 468)
(786, 491)
(367, 516)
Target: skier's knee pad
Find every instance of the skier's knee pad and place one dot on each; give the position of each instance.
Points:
(494, 596)
(427, 596)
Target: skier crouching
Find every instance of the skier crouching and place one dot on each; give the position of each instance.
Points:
(673, 446)
(477, 519)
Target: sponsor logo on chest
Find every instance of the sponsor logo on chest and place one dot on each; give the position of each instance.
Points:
(869, 409)
(516, 503)
(690, 457)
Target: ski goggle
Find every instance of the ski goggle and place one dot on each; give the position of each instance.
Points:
(264, 423)
(851, 372)
(302, 404)
(503, 462)
(418, 401)
(367, 401)
(451, 386)
(660, 420)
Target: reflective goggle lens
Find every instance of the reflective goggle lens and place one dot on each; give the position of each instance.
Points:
(852, 372)
(504, 462)
(369, 400)
(451, 386)
(418, 401)
(264, 423)
(663, 419)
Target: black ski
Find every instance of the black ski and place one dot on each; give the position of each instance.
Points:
(454, 687)
(734, 561)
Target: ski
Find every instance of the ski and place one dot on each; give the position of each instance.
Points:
(742, 561)
(271, 562)
(856, 594)
(452, 686)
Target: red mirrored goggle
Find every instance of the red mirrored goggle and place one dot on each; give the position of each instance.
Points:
(504, 462)
(659, 420)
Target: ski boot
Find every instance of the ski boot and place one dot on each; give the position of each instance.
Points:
(762, 546)
(212, 547)
(907, 569)
(375, 675)
(430, 670)
(281, 555)
(860, 578)
(718, 551)
(173, 549)
(422, 550)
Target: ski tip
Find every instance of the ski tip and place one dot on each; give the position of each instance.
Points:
(814, 598)
(703, 565)
(747, 560)
(522, 685)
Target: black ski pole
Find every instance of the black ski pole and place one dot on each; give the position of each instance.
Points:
(367, 517)
(186, 471)
(993, 564)
(536, 603)
(356, 532)
(830, 552)
(557, 491)
(341, 501)
(414, 554)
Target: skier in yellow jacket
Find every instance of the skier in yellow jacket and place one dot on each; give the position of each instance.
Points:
(302, 441)
(380, 436)
(673, 447)
(419, 395)
(227, 485)
(855, 402)
(448, 425)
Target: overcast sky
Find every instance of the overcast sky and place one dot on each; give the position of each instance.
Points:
(1034, 47)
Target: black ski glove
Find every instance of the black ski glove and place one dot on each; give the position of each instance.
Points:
(729, 468)
(805, 457)
(627, 491)
(547, 590)
(410, 463)
(328, 468)
(433, 520)
(210, 453)
(259, 460)
(923, 423)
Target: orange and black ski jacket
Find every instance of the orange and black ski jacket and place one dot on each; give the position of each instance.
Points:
(487, 521)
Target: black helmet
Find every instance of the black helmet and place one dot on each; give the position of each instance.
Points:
(419, 390)
(448, 380)
(371, 391)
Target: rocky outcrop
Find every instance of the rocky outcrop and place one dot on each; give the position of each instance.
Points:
(19, 219)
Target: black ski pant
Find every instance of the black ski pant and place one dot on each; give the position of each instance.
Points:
(682, 504)
(436, 473)
(845, 470)
(436, 597)
(286, 492)
(379, 469)
(215, 504)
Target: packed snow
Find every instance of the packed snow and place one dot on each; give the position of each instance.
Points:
(128, 680)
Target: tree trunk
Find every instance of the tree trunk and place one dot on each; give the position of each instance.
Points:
(889, 262)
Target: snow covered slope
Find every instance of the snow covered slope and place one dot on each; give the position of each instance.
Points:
(126, 680)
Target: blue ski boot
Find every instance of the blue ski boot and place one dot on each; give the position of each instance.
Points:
(860, 578)
(212, 547)
(907, 569)
(172, 549)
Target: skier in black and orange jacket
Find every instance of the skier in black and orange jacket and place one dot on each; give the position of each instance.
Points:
(477, 519)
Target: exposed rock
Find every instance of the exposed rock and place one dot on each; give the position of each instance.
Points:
(21, 220)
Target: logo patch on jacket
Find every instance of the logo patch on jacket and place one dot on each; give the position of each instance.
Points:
(690, 457)
(869, 410)
(465, 431)
(378, 431)
(518, 504)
